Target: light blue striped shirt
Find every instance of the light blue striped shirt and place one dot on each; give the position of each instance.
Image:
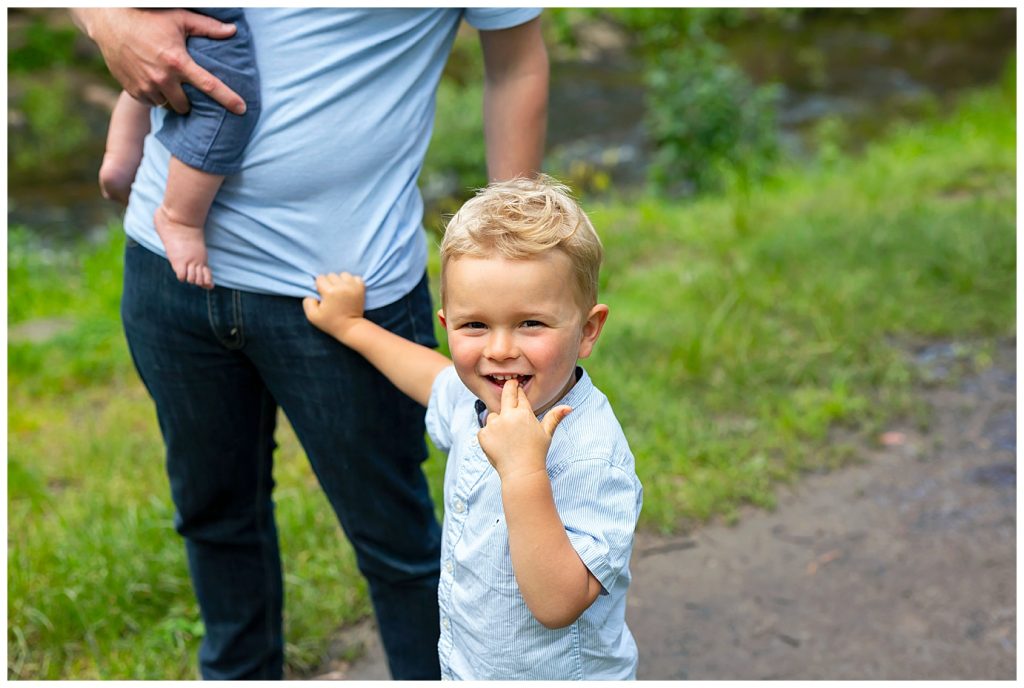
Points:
(487, 631)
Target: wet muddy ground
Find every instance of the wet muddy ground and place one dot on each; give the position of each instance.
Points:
(900, 567)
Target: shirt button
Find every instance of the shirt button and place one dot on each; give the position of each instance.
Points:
(448, 566)
(444, 622)
(458, 506)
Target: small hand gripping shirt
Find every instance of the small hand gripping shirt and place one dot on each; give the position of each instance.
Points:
(487, 631)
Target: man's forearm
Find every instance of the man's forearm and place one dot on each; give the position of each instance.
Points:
(515, 100)
(515, 116)
(80, 16)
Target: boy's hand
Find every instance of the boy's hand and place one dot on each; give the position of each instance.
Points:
(514, 441)
(340, 306)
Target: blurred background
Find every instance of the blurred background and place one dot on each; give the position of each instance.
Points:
(802, 210)
(640, 98)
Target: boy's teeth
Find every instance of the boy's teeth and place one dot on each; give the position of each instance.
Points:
(504, 378)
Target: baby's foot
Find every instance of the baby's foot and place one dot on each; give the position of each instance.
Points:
(186, 249)
(116, 177)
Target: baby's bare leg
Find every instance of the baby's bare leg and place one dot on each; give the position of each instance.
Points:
(129, 124)
(180, 220)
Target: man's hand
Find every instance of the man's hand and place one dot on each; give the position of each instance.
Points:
(341, 304)
(514, 441)
(145, 51)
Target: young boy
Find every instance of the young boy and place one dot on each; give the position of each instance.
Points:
(541, 495)
(206, 144)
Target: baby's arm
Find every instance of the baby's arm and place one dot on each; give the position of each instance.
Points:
(554, 582)
(411, 367)
(129, 124)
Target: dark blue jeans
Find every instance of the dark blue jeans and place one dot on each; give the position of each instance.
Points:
(218, 364)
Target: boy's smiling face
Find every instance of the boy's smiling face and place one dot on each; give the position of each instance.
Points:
(517, 318)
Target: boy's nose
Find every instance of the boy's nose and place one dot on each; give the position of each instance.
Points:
(501, 346)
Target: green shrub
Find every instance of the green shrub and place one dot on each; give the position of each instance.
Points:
(707, 120)
(455, 161)
(54, 142)
(45, 38)
(455, 164)
(40, 46)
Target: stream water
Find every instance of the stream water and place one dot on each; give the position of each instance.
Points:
(868, 68)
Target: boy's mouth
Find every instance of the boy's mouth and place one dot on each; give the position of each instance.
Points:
(499, 380)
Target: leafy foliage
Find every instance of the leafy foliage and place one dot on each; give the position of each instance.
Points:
(455, 162)
(707, 120)
(54, 141)
(40, 45)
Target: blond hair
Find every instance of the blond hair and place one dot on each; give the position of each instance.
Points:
(523, 217)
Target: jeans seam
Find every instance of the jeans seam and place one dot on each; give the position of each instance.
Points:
(411, 314)
(237, 305)
(209, 314)
(265, 550)
(412, 319)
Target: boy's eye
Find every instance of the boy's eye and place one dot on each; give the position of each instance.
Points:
(532, 323)
(475, 325)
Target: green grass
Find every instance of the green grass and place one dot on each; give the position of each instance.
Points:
(743, 329)
(747, 332)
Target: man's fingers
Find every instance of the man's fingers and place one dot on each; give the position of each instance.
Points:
(211, 86)
(553, 417)
(173, 97)
(196, 24)
(510, 394)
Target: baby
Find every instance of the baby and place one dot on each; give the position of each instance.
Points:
(540, 492)
(206, 144)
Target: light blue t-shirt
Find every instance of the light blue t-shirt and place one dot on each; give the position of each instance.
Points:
(328, 183)
(487, 631)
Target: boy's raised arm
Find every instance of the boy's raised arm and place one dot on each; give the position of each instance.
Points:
(554, 582)
(409, 366)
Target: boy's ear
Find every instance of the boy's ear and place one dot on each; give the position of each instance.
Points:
(592, 327)
(440, 317)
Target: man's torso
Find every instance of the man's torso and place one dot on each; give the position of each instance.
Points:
(329, 178)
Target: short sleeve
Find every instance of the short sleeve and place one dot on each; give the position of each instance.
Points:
(444, 395)
(599, 504)
(495, 18)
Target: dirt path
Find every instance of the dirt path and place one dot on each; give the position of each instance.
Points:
(902, 567)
